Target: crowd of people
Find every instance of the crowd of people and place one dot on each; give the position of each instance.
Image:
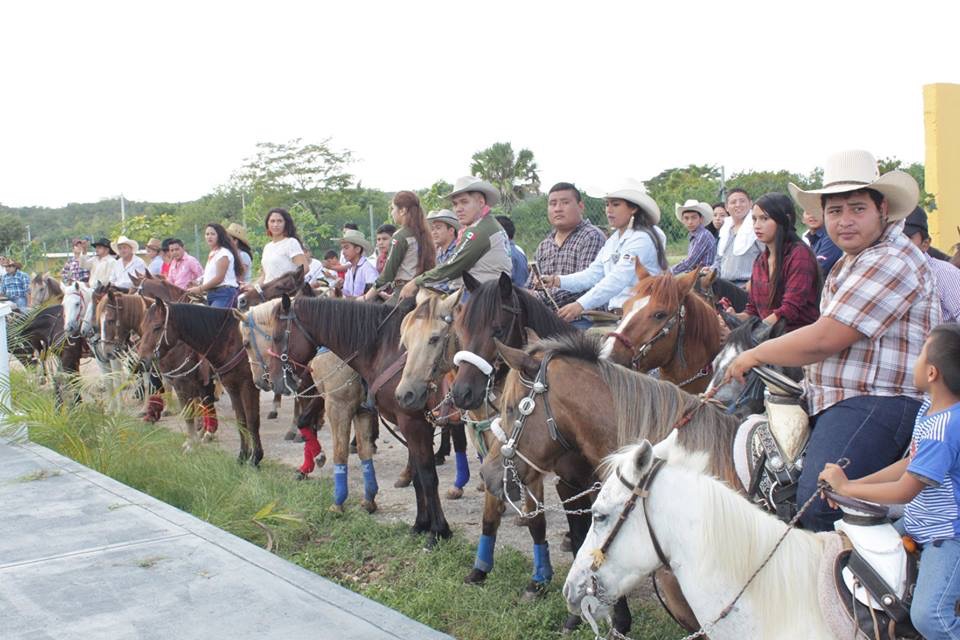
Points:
(858, 294)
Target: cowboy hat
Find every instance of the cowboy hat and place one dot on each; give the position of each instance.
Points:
(103, 242)
(704, 209)
(446, 216)
(238, 231)
(467, 184)
(125, 240)
(916, 222)
(13, 263)
(847, 171)
(356, 237)
(634, 193)
(153, 243)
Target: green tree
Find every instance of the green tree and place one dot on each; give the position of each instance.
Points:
(12, 231)
(675, 186)
(435, 197)
(513, 174)
(142, 228)
(758, 183)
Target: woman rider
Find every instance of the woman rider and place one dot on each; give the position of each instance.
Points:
(633, 215)
(284, 252)
(411, 247)
(222, 270)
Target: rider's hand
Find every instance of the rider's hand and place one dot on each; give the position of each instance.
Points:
(572, 311)
(741, 365)
(409, 290)
(834, 476)
(550, 282)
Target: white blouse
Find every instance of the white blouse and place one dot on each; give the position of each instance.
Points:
(278, 258)
(210, 270)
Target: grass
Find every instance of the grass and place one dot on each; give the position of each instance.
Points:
(381, 561)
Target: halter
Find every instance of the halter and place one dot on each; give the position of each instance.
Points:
(641, 352)
(83, 309)
(255, 330)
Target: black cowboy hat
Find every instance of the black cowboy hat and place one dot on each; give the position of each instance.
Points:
(916, 222)
(103, 242)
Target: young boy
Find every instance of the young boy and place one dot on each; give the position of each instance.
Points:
(929, 483)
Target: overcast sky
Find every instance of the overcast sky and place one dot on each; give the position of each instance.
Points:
(162, 100)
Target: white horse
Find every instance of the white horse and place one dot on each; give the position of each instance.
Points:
(713, 540)
(79, 321)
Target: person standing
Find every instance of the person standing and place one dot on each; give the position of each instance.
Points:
(571, 245)
(184, 268)
(947, 275)
(702, 248)
(519, 271)
(820, 243)
(411, 249)
(737, 246)
(223, 267)
(284, 252)
(154, 259)
(103, 265)
(15, 284)
(72, 270)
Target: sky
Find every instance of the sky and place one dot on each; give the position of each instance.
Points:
(162, 101)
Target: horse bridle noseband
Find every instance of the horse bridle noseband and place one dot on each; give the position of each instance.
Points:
(638, 353)
(496, 368)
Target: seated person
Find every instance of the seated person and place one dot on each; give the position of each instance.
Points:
(820, 243)
(947, 275)
(702, 250)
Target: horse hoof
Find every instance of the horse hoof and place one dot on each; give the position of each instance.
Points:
(187, 447)
(209, 437)
(476, 576)
(430, 543)
(403, 481)
(566, 544)
(370, 506)
(570, 624)
(290, 435)
(320, 460)
(439, 460)
(454, 493)
(272, 415)
(300, 476)
(481, 487)
(336, 508)
(298, 438)
(534, 590)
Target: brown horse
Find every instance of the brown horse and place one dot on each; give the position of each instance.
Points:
(666, 325)
(121, 316)
(45, 290)
(215, 335)
(367, 337)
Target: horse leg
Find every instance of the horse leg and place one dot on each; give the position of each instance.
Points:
(250, 396)
(542, 569)
(363, 421)
(236, 399)
(483, 562)
(276, 409)
(459, 437)
(340, 416)
(443, 450)
(420, 444)
(308, 424)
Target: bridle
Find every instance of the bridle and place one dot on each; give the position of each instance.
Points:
(255, 330)
(80, 319)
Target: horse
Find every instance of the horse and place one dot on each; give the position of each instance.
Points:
(79, 321)
(45, 290)
(121, 316)
(32, 336)
(367, 337)
(213, 334)
(711, 537)
(667, 326)
(339, 392)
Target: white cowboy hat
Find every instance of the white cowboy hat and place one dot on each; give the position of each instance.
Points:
(704, 209)
(125, 240)
(634, 192)
(444, 215)
(356, 237)
(854, 170)
(470, 183)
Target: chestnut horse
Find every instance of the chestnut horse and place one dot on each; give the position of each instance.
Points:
(367, 337)
(666, 325)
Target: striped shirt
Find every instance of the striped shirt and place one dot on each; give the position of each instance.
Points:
(701, 252)
(887, 293)
(935, 461)
(948, 287)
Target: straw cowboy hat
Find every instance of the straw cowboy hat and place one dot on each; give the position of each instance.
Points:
(634, 192)
(704, 209)
(356, 237)
(444, 215)
(125, 240)
(470, 183)
(153, 243)
(238, 232)
(854, 170)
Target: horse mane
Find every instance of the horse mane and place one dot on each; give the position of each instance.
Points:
(738, 536)
(647, 408)
(484, 304)
(361, 325)
(205, 324)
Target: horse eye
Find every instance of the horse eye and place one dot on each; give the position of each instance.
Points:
(599, 518)
(497, 332)
(433, 340)
(660, 315)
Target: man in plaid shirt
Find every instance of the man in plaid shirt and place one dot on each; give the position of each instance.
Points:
(570, 247)
(73, 271)
(15, 284)
(878, 305)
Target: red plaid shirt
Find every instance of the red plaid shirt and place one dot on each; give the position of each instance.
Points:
(888, 294)
(799, 303)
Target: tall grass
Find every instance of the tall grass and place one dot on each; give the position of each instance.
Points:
(269, 508)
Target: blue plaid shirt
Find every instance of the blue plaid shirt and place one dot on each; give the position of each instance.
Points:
(702, 251)
(15, 285)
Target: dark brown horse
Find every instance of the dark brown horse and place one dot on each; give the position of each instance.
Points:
(214, 334)
(367, 337)
(667, 326)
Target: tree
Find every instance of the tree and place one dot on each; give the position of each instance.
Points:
(514, 175)
(675, 186)
(435, 197)
(12, 231)
(142, 228)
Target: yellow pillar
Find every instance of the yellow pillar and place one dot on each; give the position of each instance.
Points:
(941, 120)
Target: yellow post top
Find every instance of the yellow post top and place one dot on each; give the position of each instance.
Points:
(941, 119)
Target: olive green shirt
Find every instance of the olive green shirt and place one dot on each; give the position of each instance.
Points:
(402, 258)
(483, 251)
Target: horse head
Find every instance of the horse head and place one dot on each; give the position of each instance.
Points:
(78, 310)
(428, 336)
(157, 334)
(256, 330)
(289, 283)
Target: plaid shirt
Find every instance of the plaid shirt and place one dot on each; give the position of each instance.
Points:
(948, 288)
(15, 285)
(798, 303)
(701, 252)
(888, 294)
(575, 255)
(74, 272)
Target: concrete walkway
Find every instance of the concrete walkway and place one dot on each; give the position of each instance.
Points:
(83, 556)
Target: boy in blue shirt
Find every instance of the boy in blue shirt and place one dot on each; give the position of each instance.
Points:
(928, 481)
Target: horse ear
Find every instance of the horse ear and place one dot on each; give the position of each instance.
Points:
(532, 336)
(518, 359)
(471, 283)
(111, 296)
(640, 269)
(505, 285)
(450, 302)
(686, 282)
(643, 458)
(159, 304)
(285, 303)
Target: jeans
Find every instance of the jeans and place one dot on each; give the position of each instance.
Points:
(222, 297)
(20, 302)
(583, 323)
(871, 431)
(934, 608)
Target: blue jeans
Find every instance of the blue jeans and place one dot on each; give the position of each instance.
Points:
(222, 297)
(871, 431)
(583, 323)
(934, 608)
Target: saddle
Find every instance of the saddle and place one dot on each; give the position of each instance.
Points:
(872, 576)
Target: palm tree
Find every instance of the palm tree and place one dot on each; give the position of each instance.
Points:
(514, 175)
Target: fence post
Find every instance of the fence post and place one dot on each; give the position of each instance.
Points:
(20, 434)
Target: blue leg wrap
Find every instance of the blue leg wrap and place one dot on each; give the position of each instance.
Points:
(339, 484)
(542, 569)
(370, 486)
(484, 560)
(463, 470)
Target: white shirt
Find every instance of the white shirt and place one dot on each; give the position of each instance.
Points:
(136, 266)
(210, 270)
(247, 262)
(612, 274)
(102, 270)
(278, 258)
